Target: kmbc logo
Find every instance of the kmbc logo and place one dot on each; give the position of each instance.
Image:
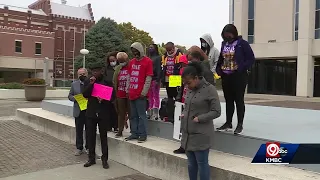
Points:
(274, 152)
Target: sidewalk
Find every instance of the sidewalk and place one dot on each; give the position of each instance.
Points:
(27, 154)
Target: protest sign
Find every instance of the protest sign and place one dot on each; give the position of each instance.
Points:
(174, 81)
(177, 121)
(82, 101)
(102, 91)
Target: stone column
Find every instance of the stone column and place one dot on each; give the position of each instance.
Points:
(305, 61)
(241, 17)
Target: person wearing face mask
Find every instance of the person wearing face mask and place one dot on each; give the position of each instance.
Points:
(80, 116)
(170, 62)
(111, 63)
(212, 52)
(236, 57)
(202, 106)
(139, 81)
(98, 112)
(120, 83)
(154, 91)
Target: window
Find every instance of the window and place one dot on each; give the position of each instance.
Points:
(251, 21)
(18, 46)
(317, 19)
(296, 20)
(232, 15)
(38, 48)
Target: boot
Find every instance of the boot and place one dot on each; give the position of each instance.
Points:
(155, 114)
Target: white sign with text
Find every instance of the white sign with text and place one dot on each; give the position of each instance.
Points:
(177, 121)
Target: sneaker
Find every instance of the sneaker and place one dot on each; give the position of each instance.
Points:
(179, 151)
(89, 163)
(86, 151)
(225, 127)
(130, 138)
(142, 139)
(79, 152)
(238, 130)
(118, 135)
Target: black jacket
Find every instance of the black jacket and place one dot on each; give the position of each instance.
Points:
(108, 73)
(94, 108)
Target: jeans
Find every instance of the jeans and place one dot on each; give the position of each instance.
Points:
(198, 160)
(154, 95)
(81, 121)
(138, 117)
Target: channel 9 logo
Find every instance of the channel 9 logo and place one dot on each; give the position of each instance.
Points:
(274, 152)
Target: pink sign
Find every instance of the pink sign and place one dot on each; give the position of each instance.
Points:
(102, 91)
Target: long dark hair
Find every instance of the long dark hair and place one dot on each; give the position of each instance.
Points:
(230, 28)
(114, 54)
(155, 46)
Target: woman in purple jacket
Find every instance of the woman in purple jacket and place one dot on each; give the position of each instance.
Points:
(236, 57)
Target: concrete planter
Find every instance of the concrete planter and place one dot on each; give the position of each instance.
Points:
(35, 92)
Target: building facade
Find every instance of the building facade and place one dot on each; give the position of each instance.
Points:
(43, 30)
(285, 37)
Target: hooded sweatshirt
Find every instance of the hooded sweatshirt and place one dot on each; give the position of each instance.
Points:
(214, 53)
(140, 74)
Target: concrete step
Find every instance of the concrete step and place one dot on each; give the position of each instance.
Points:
(155, 157)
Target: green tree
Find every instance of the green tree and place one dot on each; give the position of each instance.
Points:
(134, 34)
(102, 38)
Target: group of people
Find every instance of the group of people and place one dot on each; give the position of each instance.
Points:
(136, 84)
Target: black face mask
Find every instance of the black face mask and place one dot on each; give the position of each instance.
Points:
(229, 39)
(82, 78)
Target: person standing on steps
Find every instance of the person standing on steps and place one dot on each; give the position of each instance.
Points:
(212, 52)
(111, 63)
(236, 58)
(202, 106)
(140, 77)
(154, 91)
(170, 61)
(120, 83)
(98, 113)
(80, 116)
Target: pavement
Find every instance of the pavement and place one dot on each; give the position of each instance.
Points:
(27, 154)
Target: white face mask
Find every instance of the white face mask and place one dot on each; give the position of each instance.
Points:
(204, 45)
(114, 63)
(123, 64)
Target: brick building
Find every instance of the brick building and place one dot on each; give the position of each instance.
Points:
(44, 29)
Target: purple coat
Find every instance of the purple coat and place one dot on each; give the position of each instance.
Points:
(243, 55)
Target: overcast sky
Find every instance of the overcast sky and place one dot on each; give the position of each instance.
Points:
(179, 21)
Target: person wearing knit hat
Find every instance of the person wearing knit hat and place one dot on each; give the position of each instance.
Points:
(98, 113)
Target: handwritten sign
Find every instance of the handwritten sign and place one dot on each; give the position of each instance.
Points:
(102, 91)
(82, 101)
(177, 121)
(174, 80)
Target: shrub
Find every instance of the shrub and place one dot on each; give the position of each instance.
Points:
(12, 85)
(34, 81)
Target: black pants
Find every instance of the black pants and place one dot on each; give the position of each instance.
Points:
(172, 93)
(234, 86)
(81, 121)
(92, 129)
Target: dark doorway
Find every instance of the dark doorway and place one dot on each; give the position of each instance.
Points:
(277, 77)
(316, 85)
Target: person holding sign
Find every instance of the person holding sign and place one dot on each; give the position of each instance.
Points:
(79, 110)
(98, 112)
(202, 106)
(139, 81)
(120, 83)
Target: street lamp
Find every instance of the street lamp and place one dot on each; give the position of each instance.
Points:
(84, 52)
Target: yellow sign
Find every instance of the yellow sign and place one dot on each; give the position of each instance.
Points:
(174, 81)
(83, 102)
(216, 76)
